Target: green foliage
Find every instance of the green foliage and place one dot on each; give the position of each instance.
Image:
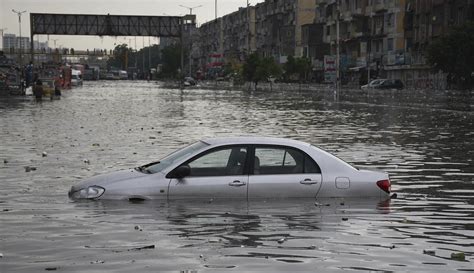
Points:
(171, 60)
(296, 68)
(454, 54)
(267, 68)
(258, 69)
(119, 57)
(250, 67)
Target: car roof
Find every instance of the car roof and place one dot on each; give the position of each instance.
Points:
(254, 140)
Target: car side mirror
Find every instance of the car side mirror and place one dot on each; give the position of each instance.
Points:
(181, 172)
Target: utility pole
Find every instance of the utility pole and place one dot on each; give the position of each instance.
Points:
(149, 58)
(191, 8)
(143, 57)
(136, 54)
(369, 48)
(249, 34)
(19, 13)
(338, 72)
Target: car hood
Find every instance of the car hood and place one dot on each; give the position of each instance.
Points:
(108, 178)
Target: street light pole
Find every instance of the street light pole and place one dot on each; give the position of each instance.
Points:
(338, 72)
(19, 13)
(191, 8)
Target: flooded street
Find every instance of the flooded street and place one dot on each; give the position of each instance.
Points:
(426, 144)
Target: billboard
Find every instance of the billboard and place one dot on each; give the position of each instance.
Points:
(330, 69)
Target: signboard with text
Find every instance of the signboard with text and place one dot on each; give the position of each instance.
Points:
(329, 69)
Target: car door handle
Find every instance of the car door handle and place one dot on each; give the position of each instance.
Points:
(237, 183)
(308, 181)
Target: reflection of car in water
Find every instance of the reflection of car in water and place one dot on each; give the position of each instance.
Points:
(239, 168)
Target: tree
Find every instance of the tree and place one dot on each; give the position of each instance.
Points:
(297, 68)
(119, 58)
(454, 55)
(258, 69)
(250, 68)
(171, 60)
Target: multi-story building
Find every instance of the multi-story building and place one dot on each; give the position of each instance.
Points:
(11, 41)
(370, 33)
(278, 26)
(238, 30)
(426, 20)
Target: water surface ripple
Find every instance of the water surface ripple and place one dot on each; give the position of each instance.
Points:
(426, 147)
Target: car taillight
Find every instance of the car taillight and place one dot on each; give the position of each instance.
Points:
(384, 185)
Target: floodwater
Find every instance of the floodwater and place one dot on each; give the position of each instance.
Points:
(425, 142)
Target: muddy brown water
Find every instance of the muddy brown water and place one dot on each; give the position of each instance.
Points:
(426, 146)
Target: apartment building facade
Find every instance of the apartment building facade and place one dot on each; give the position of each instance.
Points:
(279, 27)
(374, 38)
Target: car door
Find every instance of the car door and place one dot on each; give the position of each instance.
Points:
(214, 174)
(283, 172)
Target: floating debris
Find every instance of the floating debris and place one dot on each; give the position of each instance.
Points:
(458, 256)
(317, 204)
(345, 219)
(281, 240)
(51, 268)
(95, 145)
(144, 247)
(87, 161)
(44, 154)
(98, 262)
(429, 252)
(29, 169)
(1, 255)
(5, 161)
(137, 227)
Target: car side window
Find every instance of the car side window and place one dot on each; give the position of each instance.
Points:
(283, 160)
(220, 162)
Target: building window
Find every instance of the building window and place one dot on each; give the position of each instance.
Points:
(390, 44)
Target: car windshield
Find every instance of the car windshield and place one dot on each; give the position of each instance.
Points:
(375, 82)
(170, 159)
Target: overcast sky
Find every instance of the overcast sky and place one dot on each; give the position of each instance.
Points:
(206, 13)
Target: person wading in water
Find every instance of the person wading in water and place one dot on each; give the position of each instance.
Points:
(38, 90)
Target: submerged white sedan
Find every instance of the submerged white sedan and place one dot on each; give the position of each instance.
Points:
(238, 168)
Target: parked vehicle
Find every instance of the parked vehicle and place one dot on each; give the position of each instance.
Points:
(373, 84)
(48, 87)
(123, 75)
(189, 81)
(76, 78)
(390, 84)
(113, 75)
(239, 168)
